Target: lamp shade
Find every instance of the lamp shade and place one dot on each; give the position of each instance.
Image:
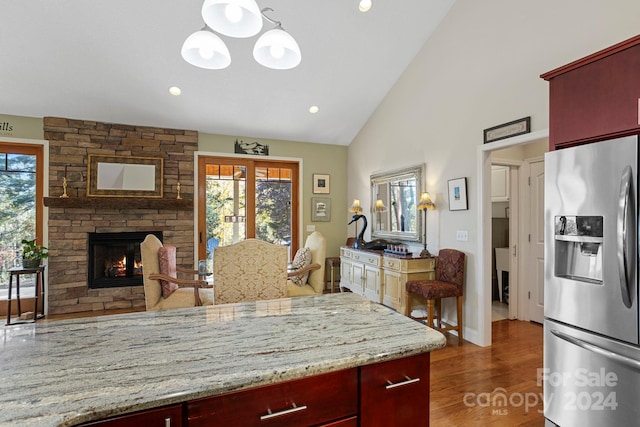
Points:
(355, 206)
(206, 50)
(380, 207)
(426, 202)
(233, 18)
(277, 49)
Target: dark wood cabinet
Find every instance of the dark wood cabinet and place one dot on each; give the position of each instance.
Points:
(168, 416)
(596, 97)
(395, 393)
(309, 401)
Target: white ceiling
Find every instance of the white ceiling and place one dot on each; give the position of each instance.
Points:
(114, 61)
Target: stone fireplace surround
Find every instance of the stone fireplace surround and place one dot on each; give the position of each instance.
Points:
(69, 221)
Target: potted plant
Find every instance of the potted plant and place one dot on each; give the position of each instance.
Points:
(32, 253)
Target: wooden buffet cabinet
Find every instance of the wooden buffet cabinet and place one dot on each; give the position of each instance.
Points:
(596, 97)
(381, 277)
(392, 393)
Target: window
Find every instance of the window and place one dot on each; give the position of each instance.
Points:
(243, 198)
(21, 187)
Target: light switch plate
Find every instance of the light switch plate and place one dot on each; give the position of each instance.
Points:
(311, 228)
(462, 235)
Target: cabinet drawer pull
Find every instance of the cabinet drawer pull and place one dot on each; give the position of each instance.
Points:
(167, 422)
(291, 410)
(408, 381)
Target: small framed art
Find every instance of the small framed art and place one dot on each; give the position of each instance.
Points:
(320, 183)
(321, 209)
(458, 194)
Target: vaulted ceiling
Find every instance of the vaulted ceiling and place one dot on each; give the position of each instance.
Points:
(114, 61)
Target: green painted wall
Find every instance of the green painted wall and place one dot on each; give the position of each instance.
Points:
(21, 127)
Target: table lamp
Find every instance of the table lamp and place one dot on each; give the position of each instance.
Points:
(425, 204)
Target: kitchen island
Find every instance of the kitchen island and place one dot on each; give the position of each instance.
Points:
(75, 371)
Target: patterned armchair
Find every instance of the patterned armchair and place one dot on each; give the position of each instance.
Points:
(249, 270)
(162, 288)
(449, 283)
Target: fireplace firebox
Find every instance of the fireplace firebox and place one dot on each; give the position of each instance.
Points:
(115, 260)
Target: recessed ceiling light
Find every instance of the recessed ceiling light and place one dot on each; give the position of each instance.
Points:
(175, 90)
(314, 109)
(365, 5)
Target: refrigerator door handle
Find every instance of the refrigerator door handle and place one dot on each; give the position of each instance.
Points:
(625, 215)
(624, 360)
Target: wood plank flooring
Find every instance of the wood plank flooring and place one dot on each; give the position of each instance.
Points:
(469, 384)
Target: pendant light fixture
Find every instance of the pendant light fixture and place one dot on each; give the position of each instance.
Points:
(274, 49)
(204, 49)
(233, 18)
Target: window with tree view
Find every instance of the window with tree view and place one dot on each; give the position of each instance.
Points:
(19, 210)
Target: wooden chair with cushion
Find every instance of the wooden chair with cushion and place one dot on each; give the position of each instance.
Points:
(308, 278)
(249, 270)
(448, 283)
(162, 288)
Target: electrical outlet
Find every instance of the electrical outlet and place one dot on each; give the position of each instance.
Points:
(462, 235)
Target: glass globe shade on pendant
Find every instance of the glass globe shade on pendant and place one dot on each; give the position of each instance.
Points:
(277, 49)
(233, 18)
(204, 49)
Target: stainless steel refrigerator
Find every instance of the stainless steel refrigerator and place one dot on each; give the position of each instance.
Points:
(591, 373)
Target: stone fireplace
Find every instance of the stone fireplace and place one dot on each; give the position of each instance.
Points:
(71, 220)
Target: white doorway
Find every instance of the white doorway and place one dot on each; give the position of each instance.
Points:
(519, 284)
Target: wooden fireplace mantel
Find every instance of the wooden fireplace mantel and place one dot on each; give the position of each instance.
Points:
(118, 203)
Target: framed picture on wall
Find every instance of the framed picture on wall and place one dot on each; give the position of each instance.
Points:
(321, 209)
(458, 194)
(320, 183)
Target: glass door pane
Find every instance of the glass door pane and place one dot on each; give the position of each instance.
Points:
(273, 204)
(226, 195)
(18, 208)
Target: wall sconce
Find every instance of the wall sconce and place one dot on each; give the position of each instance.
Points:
(275, 49)
(425, 204)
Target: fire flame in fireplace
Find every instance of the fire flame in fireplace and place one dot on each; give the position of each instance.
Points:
(118, 268)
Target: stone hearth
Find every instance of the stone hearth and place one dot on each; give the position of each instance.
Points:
(70, 143)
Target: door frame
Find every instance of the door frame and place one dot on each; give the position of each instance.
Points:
(516, 213)
(196, 210)
(483, 262)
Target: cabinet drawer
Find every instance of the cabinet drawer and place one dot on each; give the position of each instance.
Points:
(345, 253)
(314, 400)
(391, 263)
(169, 416)
(395, 393)
(367, 258)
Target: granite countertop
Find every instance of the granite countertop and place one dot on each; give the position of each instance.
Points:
(67, 372)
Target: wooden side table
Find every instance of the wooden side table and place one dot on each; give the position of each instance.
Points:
(17, 272)
(330, 264)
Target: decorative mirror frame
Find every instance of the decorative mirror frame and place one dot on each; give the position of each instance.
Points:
(147, 170)
(412, 172)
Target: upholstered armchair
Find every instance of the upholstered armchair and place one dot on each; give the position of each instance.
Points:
(249, 270)
(162, 288)
(313, 283)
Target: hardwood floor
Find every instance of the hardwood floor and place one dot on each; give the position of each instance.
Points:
(489, 386)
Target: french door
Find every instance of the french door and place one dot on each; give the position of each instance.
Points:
(241, 198)
(21, 187)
